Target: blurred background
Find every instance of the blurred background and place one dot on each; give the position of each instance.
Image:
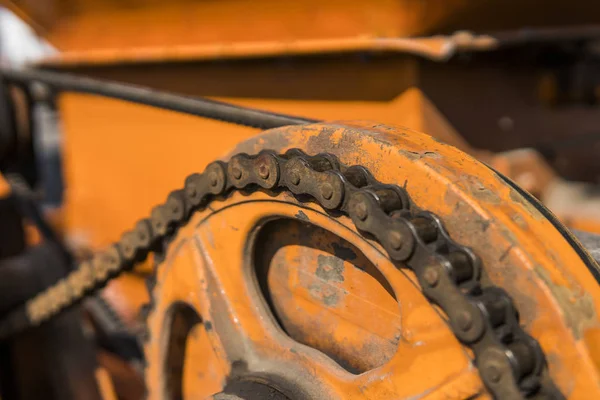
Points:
(19, 44)
(515, 84)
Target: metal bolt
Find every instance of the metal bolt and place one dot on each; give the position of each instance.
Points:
(361, 211)
(214, 179)
(263, 171)
(395, 239)
(493, 372)
(237, 173)
(327, 191)
(294, 178)
(464, 320)
(192, 192)
(431, 276)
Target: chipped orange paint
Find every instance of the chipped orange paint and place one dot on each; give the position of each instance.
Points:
(522, 251)
(224, 280)
(315, 287)
(200, 376)
(340, 303)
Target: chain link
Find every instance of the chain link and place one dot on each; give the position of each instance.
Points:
(510, 362)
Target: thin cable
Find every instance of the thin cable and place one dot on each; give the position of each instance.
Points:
(198, 106)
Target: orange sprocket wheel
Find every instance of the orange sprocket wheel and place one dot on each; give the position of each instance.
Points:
(263, 296)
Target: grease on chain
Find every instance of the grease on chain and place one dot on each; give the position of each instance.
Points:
(510, 362)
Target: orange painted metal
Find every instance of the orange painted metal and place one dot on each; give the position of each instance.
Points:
(213, 266)
(114, 29)
(89, 31)
(328, 295)
(438, 48)
(121, 159)
(199, 376)
(241, 330)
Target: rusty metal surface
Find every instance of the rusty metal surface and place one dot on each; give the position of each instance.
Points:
(98, 231)
(527, 255)
(247, 333)
(318, 282)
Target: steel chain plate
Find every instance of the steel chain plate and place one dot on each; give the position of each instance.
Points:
(483, 318)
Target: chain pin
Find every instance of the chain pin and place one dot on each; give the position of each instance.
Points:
(361, 211)
(237, 173)
(431, 276)
(213, 179)
(395, 239)
(327, 191)
(493, 372)
(263, 171)
(464, 320)
(294, 178)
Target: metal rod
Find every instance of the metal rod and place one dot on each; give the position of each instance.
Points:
(198, 106)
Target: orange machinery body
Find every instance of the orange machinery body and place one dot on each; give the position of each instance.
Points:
(122, 159)
(240, 262)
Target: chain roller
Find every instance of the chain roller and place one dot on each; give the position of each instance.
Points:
(510, 362)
